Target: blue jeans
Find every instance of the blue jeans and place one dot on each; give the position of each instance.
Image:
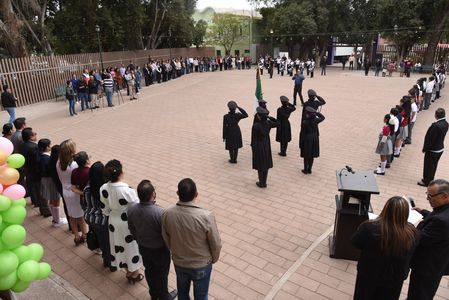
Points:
(12, 114)
(200, 278)
(84, 98)
(72, 106)
(109, 92)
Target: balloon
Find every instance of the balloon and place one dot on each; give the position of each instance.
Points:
(15, 161)
(15, 215)
(36, 251)
(28, 270)
(6, 146)
(44, 271)
(9, 176)
(3, 225)
(1, 188)
(20, 286)
(8, 261)
(1, 245)
(21, 202)
(14, 192)
(3, 157)
(22, 253)
(8, 281)
(13, 236)
(5, 203)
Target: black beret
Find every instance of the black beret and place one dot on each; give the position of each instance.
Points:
(262, 101)
(261, 111)
(232, 105)
(284, 99)
(311, 93)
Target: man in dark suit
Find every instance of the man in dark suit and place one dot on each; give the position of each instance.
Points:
(431, 258)
(434, 146)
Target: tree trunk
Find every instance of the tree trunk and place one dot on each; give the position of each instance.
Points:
(10, 29)
(435, 36)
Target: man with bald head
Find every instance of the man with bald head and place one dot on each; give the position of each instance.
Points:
(431, 258)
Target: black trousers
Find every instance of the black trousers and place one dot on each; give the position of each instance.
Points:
(430, 165)
(284, 148)
(233, 153)
(308, 163)
(263, 174)
(102, 234)
(422, 287)
(297, 90)
(369, 289)
(157, 267)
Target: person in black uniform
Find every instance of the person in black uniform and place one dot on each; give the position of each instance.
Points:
(263, 104)
(284, 132)
(386, 244)
(313, 101)
(431, 258)
(309, 138)
(261, 145)
(232, 136)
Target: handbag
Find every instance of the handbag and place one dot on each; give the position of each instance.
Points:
(92, 240)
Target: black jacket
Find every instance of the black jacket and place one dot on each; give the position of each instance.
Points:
(435, 135)
(314, 102)
(309, 140)
(261, 144)
(284, 132)
(431, 257)
(30, 151)
(231, 129)
(8, 100)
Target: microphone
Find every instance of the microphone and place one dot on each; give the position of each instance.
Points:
(350, 169)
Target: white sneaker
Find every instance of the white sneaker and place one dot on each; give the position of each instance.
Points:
(62, 221)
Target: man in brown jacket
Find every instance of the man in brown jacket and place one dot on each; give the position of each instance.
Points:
(191, 234)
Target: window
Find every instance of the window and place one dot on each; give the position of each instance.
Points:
(218, 52)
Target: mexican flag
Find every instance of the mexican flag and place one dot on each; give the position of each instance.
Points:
(258, 94)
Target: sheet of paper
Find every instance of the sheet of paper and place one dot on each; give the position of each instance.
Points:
(414, 217)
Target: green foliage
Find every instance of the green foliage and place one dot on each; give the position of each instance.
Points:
(227, 29)
(199, 33)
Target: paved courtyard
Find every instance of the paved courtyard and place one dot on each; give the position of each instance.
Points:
(275, 242)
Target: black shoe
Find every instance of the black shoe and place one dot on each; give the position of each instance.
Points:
(305, 171)
(282, 154)
(397, 155)
(75, 113)
(421, 183)
(172, 295)
(408, 142)
(388, 165)
(261, 185)
(46, 215)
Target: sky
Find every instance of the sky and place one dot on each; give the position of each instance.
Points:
(236, 4)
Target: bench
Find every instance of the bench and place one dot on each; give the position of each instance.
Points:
(60, 91)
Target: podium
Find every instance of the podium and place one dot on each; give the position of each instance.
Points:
(352, 207)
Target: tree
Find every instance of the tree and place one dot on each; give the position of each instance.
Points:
(11, 30)
(199, 32)
(226, 30)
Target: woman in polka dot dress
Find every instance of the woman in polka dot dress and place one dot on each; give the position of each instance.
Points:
(115, 195)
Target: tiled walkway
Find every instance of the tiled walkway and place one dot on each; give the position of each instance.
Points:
(174, 131)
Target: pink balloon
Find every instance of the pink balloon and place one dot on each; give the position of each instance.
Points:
(6, 145)
(1, 188)
(14, 192)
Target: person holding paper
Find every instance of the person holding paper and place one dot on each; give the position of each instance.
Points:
(386, 244)
(431, 258)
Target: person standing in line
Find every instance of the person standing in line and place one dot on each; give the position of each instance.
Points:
(430, 85)
(313, 101)
(309, 138)
(433, 146)
(283, 131)
(386, 244)
(9, 103)
(298, 78)
(366, 66)
(108, 84)
(311, 67)
(145, 224)
(116, 196)
(323, 64)
(191, 234)
(7, 131)
(70, 96)
(431, 258)
(130, 80)
(413, 115)
(16, 139)
(232, 136)
(261, 145)
(385, 145)
(83, 95)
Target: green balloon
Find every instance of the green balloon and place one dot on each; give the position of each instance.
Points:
(8, 262)
(8, 281)
(13, 236)
(14, 215)
(28, 270)
(36, 251)
(21, 202)
(15, 161)
(5, 203)
(22, 253)
(3, 225)
(20, 286)
(44, 270)
(1, 245)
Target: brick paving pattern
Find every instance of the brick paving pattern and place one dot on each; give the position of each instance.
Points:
(174, 131)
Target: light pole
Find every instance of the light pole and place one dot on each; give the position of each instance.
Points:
(272, 48)
(97, 29)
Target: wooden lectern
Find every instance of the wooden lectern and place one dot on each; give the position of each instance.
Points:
(352, 206)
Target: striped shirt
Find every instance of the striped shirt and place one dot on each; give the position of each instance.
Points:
(108, 83)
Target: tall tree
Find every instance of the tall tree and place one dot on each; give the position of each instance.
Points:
(226, 30)
(11, 30)
(199, 33)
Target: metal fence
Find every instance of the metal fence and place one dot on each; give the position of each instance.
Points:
(391, 53)
(39, 78)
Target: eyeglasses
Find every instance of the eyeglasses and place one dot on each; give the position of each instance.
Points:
(430, 196)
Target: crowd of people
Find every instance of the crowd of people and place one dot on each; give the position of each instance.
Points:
(398, 125)
(123, 225)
